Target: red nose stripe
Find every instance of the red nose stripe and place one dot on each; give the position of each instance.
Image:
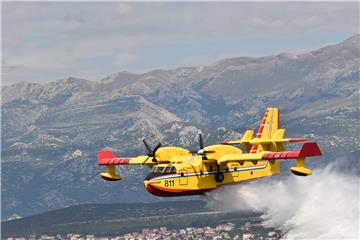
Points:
(165, 192)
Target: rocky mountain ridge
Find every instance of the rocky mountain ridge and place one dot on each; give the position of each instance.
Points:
(45, 127)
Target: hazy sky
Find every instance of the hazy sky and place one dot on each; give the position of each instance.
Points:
(47, 41)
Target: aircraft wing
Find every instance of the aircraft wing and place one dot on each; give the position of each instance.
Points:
(309, 149)
(107, 157)
(110, 160)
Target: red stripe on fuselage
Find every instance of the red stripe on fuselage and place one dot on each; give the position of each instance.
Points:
(166, 192)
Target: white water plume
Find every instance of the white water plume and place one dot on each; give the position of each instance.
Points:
(324, 205)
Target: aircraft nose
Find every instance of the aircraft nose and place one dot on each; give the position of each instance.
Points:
(146, 182)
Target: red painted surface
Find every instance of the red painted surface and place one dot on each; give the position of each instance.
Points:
(309, 149)
(106, 154)
(261, 128)
(259, 133)
(165, 192)
(298, 139)
(107, 157)
(254, 148)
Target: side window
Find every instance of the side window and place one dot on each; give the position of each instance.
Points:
(173, 170)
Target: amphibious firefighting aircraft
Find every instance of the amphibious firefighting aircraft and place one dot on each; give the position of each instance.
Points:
(176, 171)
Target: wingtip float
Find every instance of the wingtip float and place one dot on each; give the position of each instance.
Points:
(176, 171)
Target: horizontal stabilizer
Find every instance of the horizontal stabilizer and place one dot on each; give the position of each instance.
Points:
(298, 139)
(245, 140)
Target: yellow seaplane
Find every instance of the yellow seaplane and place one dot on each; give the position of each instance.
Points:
(176, 171)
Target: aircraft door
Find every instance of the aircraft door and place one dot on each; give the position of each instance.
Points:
(183, 180)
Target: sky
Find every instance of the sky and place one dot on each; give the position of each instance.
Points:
(46, 41)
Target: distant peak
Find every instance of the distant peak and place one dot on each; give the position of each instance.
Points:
(353, 40)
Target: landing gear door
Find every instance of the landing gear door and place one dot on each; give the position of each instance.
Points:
(183, 180)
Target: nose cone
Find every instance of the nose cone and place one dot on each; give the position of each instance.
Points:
(146, 182)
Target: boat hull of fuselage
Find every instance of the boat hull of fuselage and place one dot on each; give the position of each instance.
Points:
(165, 192)
(175, 185)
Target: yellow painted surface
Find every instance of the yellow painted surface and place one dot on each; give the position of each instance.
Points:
(197, 172)
(202, 176)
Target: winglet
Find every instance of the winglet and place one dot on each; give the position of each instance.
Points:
(106, 154)
(309, 149)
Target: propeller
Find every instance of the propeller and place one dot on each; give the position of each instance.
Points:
(151, 153)
(201, 151)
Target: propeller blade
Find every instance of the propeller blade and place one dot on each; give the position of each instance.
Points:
(201, 142)
(156, 148)
(147, 147)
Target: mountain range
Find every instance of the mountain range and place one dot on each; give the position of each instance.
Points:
(51, 132)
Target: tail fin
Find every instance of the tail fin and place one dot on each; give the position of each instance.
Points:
(268, 127)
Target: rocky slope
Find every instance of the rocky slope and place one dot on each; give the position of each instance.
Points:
(51, 132)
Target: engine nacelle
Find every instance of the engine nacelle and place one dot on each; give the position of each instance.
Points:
(110, 174)
(300, 169)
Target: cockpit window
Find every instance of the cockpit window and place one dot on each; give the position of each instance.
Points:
(171, 169)
(160, 169)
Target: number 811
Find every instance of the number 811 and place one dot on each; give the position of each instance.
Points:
(169, 183)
